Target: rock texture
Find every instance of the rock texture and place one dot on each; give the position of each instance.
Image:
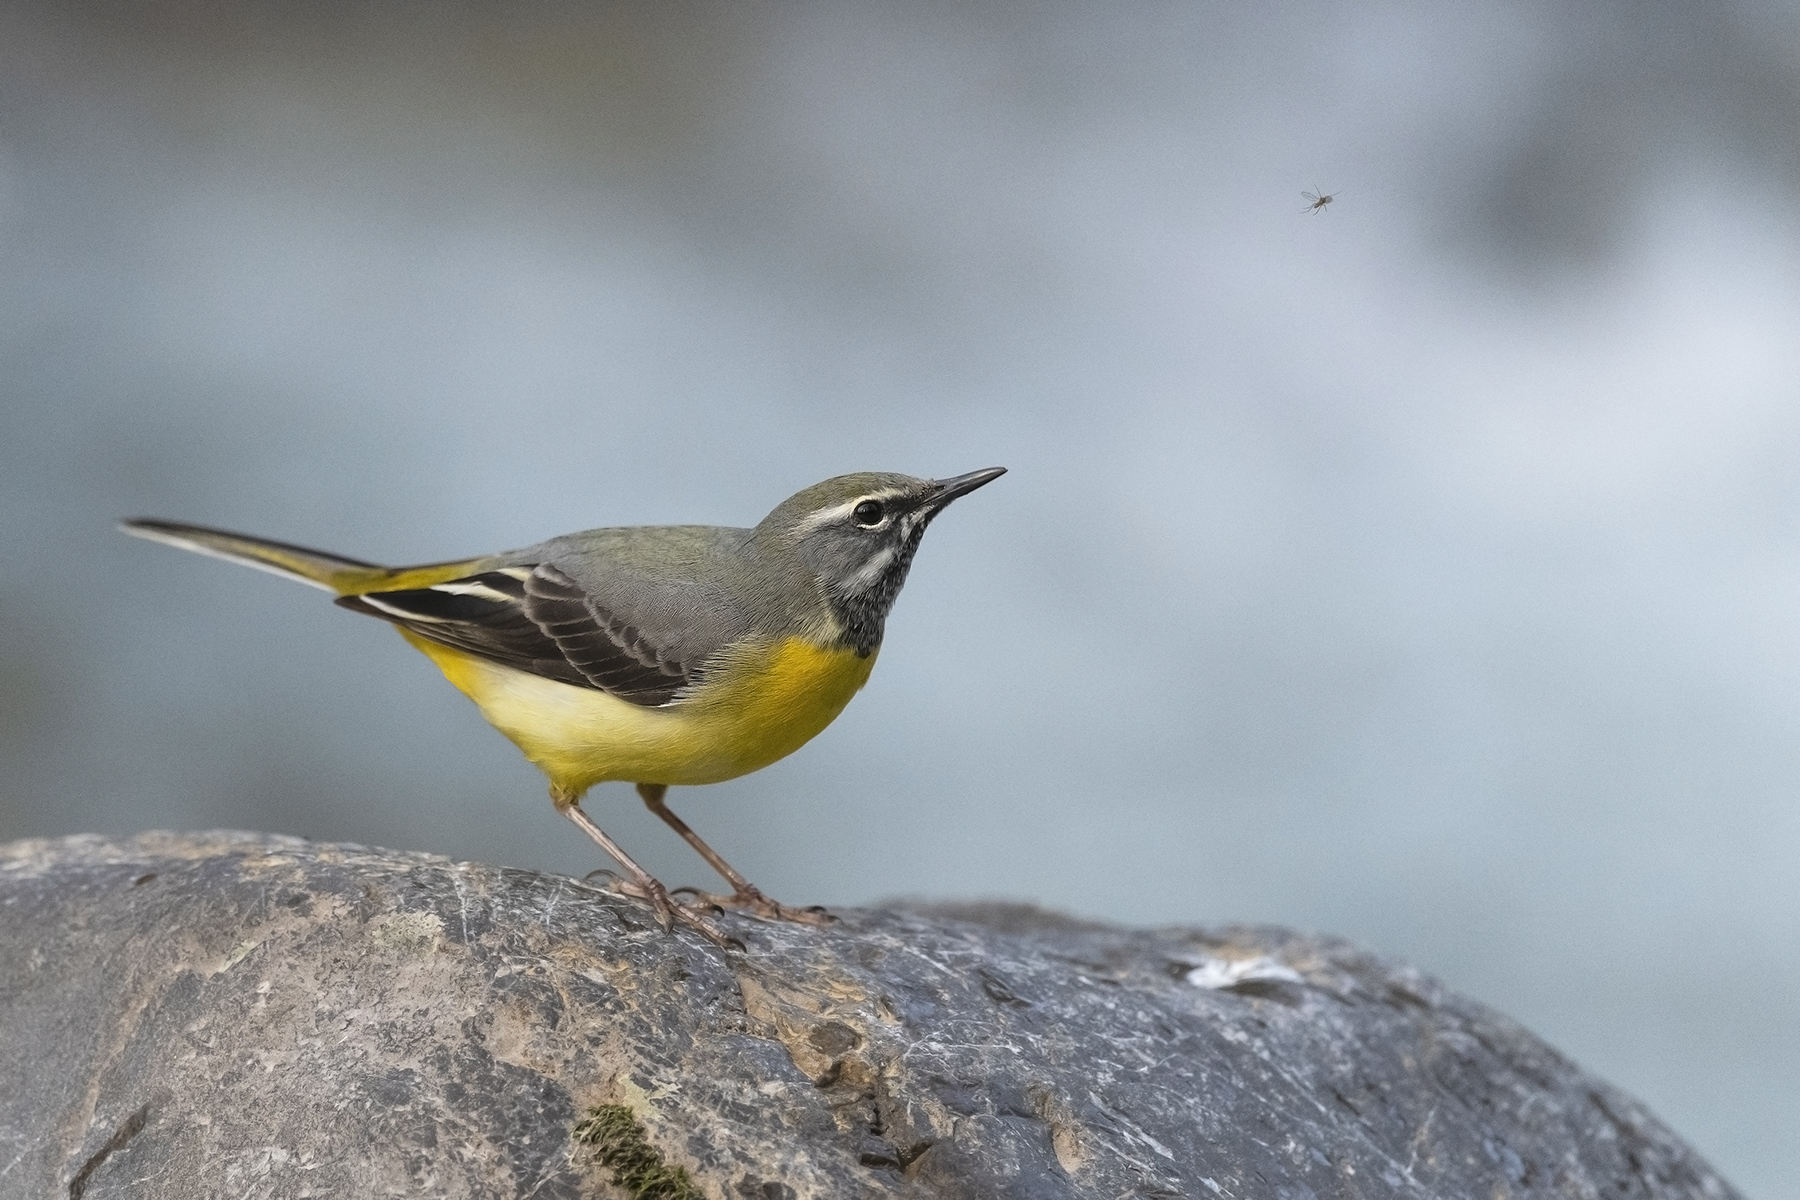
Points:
(246, 1016)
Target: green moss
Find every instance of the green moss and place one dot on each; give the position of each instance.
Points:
(620, 1145)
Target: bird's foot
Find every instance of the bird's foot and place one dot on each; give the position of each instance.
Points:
(669, 913)
(751, 900)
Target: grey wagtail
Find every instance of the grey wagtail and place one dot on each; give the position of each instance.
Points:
(656, 654)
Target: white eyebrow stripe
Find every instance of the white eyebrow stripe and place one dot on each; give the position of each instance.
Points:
(826, 516)
(838, 512)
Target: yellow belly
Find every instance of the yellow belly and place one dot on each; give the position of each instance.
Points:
(763, 703)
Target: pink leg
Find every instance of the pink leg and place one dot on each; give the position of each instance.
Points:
(745, 895)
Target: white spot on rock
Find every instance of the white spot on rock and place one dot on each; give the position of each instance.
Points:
(1223, 972)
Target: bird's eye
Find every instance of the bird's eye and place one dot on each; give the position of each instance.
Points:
(868, 514)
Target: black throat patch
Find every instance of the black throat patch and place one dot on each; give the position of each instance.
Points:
(864, 612)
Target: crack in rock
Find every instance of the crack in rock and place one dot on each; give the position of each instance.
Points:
(128, 1129)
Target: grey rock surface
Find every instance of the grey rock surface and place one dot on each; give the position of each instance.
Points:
(243, 1016)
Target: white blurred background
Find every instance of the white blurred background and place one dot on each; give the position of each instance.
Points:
(1425, 571)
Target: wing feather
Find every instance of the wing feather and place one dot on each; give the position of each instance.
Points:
(610, 653)
(537, 619)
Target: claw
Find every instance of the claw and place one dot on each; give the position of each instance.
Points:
(751, 900)
(697, 899)
(668, 913)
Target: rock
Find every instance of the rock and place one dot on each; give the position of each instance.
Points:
(247, 1016)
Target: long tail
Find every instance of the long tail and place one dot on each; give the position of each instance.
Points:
(334, 573)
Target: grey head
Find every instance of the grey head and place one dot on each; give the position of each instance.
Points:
(857, 535)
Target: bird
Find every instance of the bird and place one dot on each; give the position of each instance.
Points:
(657, 655)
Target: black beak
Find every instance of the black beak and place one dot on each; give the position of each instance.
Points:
(962, 485)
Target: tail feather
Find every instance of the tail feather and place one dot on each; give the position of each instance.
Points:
(332, 572)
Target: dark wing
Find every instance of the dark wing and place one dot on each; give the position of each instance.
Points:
(539, 620)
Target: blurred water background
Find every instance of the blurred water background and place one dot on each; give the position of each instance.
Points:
(1426, 570)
